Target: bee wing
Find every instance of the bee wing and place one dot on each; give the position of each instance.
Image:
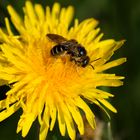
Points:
(56, 38)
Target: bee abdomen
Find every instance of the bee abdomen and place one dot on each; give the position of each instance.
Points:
(57, 50)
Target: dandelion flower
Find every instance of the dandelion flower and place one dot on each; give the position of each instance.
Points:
(51, 88)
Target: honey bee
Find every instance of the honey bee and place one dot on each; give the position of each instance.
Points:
(76, 51)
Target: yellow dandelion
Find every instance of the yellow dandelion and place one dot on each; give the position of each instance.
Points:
(54, 88)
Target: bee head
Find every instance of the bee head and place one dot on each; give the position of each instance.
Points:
(81, 51)
(85, 61)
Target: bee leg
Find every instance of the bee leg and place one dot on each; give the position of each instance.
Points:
(72, 58)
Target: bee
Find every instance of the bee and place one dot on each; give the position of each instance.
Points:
(76, 51)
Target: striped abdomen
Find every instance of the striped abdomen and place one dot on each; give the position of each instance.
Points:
(58, 49)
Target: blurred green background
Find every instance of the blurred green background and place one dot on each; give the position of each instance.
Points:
(119, 19)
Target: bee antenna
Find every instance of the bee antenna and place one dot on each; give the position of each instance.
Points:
(95, 60)
(91, 66)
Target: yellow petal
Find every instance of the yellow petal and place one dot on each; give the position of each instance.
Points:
(40, 13)
(108, 105)
(111, 64)
(97, 103)
(106, 45)
(53, 118)
(103, 92)
(14, 15)
(109, 82)
(91, 94)
(52, 109)
(11, 57)
(66, 14)
(43, 131)
(55, 11)
(61, 121)
(29, 9)
(45, 125)
(8, 112)
(70, 127)
(77, 117)
(27, 123)
(89, 114)
(3, 37)
(16, 20)
(119, 44)
(41, 99)
(69, 122)
(6, 77)
(3, 82)
(8, 27)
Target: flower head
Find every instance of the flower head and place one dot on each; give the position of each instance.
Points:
(47, 87)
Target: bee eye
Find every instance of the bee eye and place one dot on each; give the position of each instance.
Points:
(85, 61)
(82, 51)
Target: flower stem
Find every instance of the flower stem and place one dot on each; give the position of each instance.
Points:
(109, 132)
